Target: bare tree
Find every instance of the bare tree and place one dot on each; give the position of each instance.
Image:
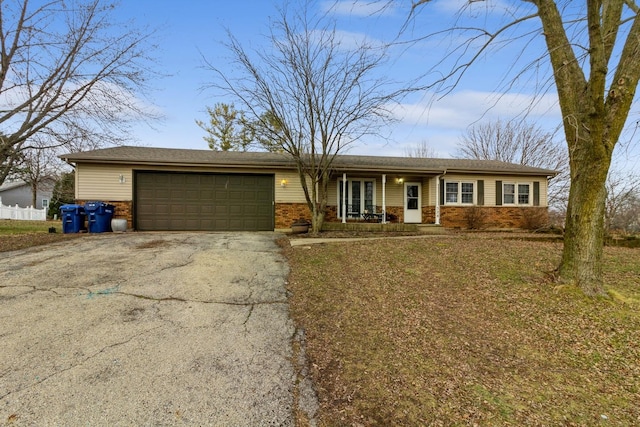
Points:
(38, 168)
(622, 210)
(322, 95)
(594, 54)
(421, 150)
(523, 143)
(71, 74)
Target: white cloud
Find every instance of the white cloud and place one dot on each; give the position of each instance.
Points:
(462, 109)
(358, 7)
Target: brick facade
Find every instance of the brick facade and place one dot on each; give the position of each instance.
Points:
(493, 217)
(450, 216)
(428, 214)
(288, 213)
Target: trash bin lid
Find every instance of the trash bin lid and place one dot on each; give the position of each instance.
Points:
(68, 208)
(92, 206)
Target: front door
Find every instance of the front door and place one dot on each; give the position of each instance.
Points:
(412, 202)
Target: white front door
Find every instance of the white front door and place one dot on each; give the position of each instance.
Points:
(412, 202)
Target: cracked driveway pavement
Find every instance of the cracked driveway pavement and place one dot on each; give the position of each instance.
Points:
(147, 329)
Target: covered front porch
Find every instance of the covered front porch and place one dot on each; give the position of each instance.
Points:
(383, 198)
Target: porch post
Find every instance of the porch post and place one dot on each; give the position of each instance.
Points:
(384, 199)
(344, 198)
(438, 199)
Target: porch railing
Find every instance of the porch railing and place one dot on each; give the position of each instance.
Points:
(370, 212)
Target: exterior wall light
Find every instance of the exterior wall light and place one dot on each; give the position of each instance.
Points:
(122, 179)
(283, 183)
(399, 180)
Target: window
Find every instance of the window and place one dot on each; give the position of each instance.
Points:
(451, 194)
(523, 194)
(459, 192)
(509, 194)
(466, 192)
(45, 203)
(360, 196)
(513, 194)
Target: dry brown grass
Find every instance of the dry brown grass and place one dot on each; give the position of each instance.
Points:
(16, 235)
(465, 331)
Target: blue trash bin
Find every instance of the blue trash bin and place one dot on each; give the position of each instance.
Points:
(73, 217)
(99, 216)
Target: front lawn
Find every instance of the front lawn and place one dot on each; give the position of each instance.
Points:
(15, 235)
(465, 330)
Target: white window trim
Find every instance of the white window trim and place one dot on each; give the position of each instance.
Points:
(362, 200)
(516, 193)
(459, 202)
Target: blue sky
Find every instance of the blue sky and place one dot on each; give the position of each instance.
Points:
(192, 28)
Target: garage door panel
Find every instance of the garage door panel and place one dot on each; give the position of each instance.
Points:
(250, 210)
(197, 201)
(177, 209)
(192, 210)
(236, 195)
(160, 209)
(192, 194)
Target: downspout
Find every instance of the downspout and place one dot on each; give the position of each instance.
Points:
(344, 198)
(384, 199)
(438, 178)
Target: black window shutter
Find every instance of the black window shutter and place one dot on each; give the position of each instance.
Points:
(442, 192)
(480, 192)
(536, 193)
(498, 193)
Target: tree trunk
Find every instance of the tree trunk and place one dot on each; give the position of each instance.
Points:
(34, 194)
(320, 205)
(317, 220)
(582, 255)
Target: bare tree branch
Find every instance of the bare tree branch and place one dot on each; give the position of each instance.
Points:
(69, 71)
(322, 96)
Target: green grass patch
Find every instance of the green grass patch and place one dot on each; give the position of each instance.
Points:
(9, 226)
(464, 331)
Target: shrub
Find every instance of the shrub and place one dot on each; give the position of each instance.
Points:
(534, 219)
(475, 217)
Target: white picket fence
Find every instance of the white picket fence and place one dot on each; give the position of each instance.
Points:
(24, 214)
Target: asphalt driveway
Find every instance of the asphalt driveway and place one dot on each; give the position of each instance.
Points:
(147, 329)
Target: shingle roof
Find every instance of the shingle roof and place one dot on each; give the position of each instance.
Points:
(9, 185)
(251, 159)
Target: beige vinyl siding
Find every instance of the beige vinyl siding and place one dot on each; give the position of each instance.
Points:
(394, 193)
(292, 191)
(102, 182)
(426, 191)
(490, 186)
(432, 196)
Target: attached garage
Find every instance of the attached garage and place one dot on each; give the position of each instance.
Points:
(180, 201)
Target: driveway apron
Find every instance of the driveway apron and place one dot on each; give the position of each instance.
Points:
(146, 329)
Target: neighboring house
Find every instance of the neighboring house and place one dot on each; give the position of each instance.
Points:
(177, 189)
(18, 193)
